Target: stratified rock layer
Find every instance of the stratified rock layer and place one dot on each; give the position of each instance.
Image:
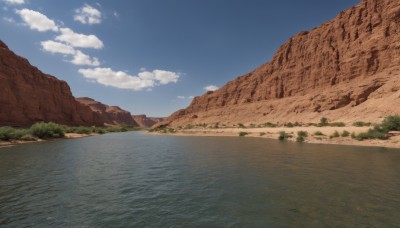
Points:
(146, 122)
(347, 69)
(111, 115)
(27, 96)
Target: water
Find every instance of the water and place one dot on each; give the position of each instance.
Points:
(134, 180)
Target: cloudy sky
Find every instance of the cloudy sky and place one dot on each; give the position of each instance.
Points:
(153, 56)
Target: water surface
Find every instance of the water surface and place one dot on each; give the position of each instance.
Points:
(134, 180)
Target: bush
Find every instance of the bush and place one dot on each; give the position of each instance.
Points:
(318, 133)
(337, 124)
(301, 135)
(28, 138)
(47, 130)
(323, 122)
(283, 135)
(353, 135)
(335, 135)
(262, 134)
(241, 125)
(269, 124)
(242, 133)
(7, 133)
(345, 134)
(290, 125)
(391, 123)
(372, 134)
(361, 124)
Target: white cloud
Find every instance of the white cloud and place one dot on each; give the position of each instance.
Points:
(116, 14)
(181, 97)
(83, 59)
(191, 97)
(56, 47)
(79, 40)
(14, 2)
(88, 15)
(211, 88)
(122, 80)
(37, 21)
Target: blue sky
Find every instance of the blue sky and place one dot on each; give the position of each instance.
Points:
(150, 57)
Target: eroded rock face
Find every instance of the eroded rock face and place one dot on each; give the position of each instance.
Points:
(112, 115)
(27, 96)
(146, 122)
(346, 69)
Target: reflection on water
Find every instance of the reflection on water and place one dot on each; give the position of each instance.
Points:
(130, 179)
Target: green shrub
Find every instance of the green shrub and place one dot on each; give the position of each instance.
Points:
(7, 133)
(361, 124)
(262, 134)
(283, 135)
(242, 133)
(353, 135)
(335, 135)
(302, 133)
(28, 138)
(269, 124)
(391, 123)
(47, 130)
(253, 126)
(318, 133)
(372, 134)
(290, 125)
(323, 122)
(337, 124)
(345, 134)
(241, 125)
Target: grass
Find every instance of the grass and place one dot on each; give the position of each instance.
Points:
(381, 131)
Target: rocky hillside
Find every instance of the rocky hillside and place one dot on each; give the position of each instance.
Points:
(111, 115)
(146, 122)
(347, 69)
(27, 96)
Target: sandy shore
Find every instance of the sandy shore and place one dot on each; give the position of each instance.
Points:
(67, 136)
(273, 133)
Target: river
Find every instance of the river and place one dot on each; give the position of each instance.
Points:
(135, 180)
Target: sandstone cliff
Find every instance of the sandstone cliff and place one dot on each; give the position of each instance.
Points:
(112, 115)
(347, 69)
(146, 122)
(27, 96)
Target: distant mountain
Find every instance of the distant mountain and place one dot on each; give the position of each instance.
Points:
(112, 115)
(146, 122)
(347, 69)
(27, 96)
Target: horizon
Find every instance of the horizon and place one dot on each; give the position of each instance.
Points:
(178, 53)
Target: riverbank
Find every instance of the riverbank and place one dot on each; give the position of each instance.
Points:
(316, 135)
(66, 136)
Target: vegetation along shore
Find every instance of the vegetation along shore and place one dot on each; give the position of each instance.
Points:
(46, 131)
(385, 134)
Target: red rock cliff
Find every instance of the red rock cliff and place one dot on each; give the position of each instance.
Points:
(346, 69)
(146, 122)
(109, 114)
(27, 96)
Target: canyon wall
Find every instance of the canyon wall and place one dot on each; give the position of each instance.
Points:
(347, 69)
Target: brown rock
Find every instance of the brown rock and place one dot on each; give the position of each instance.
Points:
(146, 122)
(27, 96)
(112, 115)
(347, 69)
